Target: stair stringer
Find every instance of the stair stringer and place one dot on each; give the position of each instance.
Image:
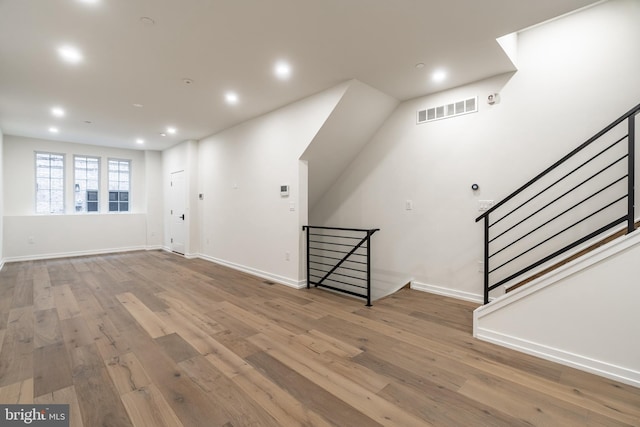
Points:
(585, 314)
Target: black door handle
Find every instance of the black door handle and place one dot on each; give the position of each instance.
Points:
(182, 217)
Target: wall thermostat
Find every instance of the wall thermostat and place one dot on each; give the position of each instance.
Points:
(284, 190)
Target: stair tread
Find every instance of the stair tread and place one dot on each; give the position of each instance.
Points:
(575, 256)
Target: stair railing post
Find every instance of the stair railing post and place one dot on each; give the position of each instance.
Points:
(305, 228)
(369, 268)
(486, 259)
(631, 175)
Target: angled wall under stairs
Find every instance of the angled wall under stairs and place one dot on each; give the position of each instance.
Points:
(583, 314)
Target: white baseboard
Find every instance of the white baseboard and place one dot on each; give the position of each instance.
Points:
(617, 373)
(447, 292)
(296, 284)
(1, 264)
(154, 248)
(74, 254)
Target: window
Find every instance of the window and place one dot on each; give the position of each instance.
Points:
(119, 185)
(87, 183)
(49, 183)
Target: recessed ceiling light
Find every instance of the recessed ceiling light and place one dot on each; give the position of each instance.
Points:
(163, 134)
(70, 54)
(439, 76)
(89, 1)
(171, 130)
(57, 111)
(231, 98)
(140, 141)
(53, 130)
(282, 70)
(420, 65)
(88, 122)
(138, 105)
(147, 21)
(187, 81)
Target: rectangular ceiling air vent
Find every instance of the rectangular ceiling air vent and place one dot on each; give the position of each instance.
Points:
(465, 106)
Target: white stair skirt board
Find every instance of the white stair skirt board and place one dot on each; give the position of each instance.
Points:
(447, 292)
(581, 315)
(296, 284)
(604, 369)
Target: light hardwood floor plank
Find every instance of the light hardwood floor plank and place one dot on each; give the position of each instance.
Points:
(16, 355)
(151, 323)
(380, 410)
(99, 401)
(47, 329)
(150, 338)
(64, 396)
(20, 393)
(147, 408)
(127, 373)
(51, 369)
(65, 302)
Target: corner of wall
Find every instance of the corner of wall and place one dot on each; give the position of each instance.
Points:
(1, 200)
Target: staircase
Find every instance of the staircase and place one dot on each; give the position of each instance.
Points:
(573, 257)
(339, 259)
(578, 204)
(564, 250)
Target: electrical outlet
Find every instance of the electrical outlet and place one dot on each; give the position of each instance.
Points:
(31, 240)
(408, 205)
(480, 267)
(287, 256)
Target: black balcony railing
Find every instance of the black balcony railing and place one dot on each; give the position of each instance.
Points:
(580, 197)
(340, 259)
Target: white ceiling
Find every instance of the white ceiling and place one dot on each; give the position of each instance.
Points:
(227, 45)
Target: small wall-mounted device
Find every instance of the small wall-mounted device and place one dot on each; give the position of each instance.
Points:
(475, 187)
(492, 98)
(284, 190)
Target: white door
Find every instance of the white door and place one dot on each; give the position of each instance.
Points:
(178, 229)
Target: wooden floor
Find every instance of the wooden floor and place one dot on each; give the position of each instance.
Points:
(153, 339)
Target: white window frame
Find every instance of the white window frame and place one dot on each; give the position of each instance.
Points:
(119, 191)
(37, 190)
(77, 188)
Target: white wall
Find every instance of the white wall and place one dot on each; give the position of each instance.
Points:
(154, 199)
(72, 235)
(31, 236)
(183, 157)
(1, 200)
(245, 223)
(576, 74)
(361, 111)
(597, 332)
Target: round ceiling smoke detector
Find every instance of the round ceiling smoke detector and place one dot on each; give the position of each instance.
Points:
(147, 21)
(187, 81)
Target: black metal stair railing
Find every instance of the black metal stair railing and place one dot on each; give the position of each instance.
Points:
(580, 197)
(340, 259)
